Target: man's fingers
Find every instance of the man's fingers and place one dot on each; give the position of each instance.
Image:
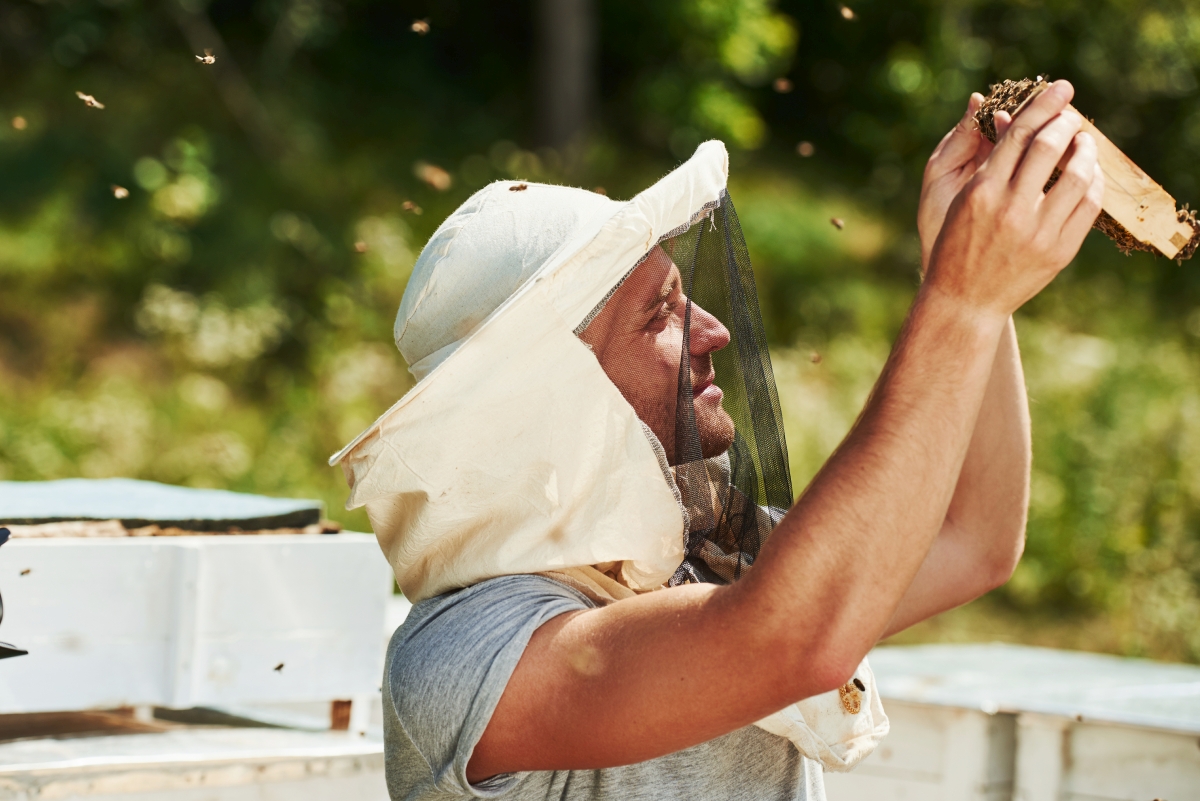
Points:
(960, 145)
(973, 104)
(1046, 152)
(1003, 121)
(1076, 178)
(1086, 211)
(985, 150)
(1017, 139)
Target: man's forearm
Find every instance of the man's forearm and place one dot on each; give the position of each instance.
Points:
(845, 554)
(992, 496)
(983, 534)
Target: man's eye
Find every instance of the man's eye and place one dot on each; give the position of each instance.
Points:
(666, 310)
(660, 317)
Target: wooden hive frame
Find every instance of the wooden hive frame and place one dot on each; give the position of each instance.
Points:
(1138, 214)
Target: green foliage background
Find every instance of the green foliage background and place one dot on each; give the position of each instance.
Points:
(219, 327)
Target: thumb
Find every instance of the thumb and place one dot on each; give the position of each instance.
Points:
(961, 143)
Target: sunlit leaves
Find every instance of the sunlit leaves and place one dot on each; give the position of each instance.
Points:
(759, 45)
(724, 46)
(206, 332)
(908, 76)
(724, 113)
(150, 173)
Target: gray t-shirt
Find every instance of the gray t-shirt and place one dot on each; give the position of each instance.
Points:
(447, 667)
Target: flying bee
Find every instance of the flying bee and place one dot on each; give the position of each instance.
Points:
(433, 175)
(420, 26)
(208, 57)
(837, 222)
(360, 246)
(408, 205)
(815, 358)
(26, 571)
(279, 668)
(847, 12)
(782, 86)
(518, 187)
(120, 192)
(89, 101)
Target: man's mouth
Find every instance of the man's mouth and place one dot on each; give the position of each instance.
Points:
(700, 387)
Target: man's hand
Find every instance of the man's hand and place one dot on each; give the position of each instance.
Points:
(954, 162)
(1004, 240)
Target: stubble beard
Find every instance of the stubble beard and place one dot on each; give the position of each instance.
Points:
(714, 426)
(716, 429)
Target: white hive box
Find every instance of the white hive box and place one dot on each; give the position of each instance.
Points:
(1030, 724)
(187, 621)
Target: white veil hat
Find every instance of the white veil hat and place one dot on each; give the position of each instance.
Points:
(480, 255)
(515, 453)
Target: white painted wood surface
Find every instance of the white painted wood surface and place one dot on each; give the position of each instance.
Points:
(196, 765)
(933, 754)
(1119, 762)
(1039, 763)
(1008, 722)
(192, 621)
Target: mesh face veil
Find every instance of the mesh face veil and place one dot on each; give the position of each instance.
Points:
(682, 339)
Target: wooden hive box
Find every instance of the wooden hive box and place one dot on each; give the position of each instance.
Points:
(1030, 724)
(185, 621)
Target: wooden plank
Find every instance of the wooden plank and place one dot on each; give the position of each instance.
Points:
(1136, 201)
(1039, 756)
(934, 753)
(1123, 763)
(197, 764)
(58, 724)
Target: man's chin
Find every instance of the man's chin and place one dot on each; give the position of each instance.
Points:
(716, 431)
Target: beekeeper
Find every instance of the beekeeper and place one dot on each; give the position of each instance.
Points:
(578, 492)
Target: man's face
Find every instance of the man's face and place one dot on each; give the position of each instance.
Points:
(638, 339)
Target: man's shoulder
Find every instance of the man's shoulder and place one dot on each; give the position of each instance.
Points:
(464, 622)
(495, 596)
(448, 665)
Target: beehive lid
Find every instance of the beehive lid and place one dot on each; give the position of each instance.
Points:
(143, 503)
(998, 677)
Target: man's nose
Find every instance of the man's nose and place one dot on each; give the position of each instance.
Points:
(706, 333)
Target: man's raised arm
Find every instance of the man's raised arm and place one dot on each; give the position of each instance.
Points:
(670, 669)
(983, 534)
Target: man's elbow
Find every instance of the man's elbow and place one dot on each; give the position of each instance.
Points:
(1000, 562)
(836, 673)
(823, 666)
